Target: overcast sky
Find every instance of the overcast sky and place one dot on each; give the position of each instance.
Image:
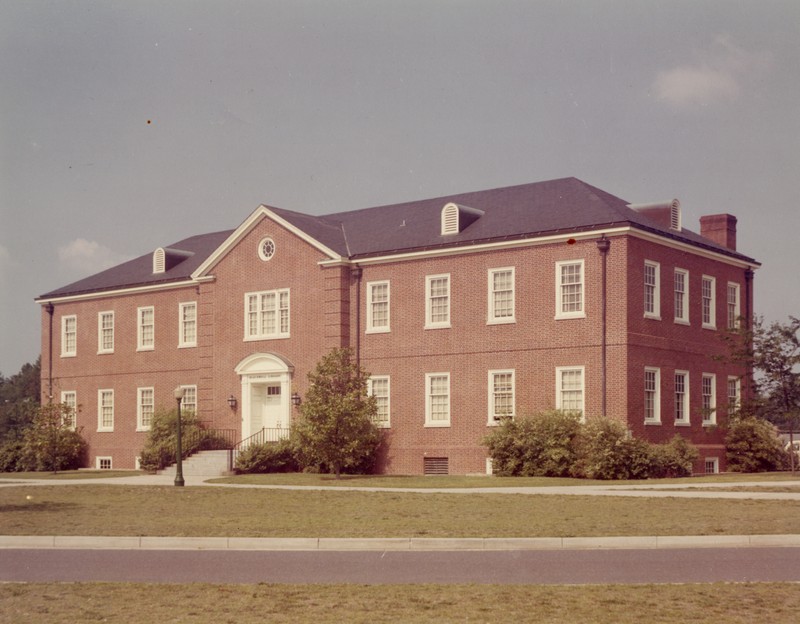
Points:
(128, 125)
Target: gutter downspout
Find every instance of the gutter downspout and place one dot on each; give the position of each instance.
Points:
(50, 309)
(356, 274)
(749, 274)
(603, 246)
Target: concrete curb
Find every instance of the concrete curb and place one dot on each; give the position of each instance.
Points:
(78, 542)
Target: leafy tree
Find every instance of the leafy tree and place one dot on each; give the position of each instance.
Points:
(19, 397)
(162, 439)
(336, 431)
(51, 443)
(753, 445)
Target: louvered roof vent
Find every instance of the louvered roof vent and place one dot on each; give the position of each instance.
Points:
(456, 218)
(666, 214)
(164, 258)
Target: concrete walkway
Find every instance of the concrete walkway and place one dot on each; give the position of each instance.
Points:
(655, 490)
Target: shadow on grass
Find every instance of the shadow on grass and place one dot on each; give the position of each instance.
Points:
(37, 506)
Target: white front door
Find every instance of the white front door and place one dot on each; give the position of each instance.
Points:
(266, 407)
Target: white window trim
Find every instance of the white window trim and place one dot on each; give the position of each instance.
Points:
(656, 312)
(683, 319)
(494, 419)
(278, 334)
(181, 325)
(574, 314)
(712, 303)
(74, 351)
(656, 419)
(371, 329)
(139, 416)
(501, 320)
(559, 387)
(737, 307)
(710, 418)
(429, 324)
(99, 460)
(383, 424)
(711, 460)
(686, 420)
(100, 426)
(71, 404)
(428, 406)
(734, 406)
(139, 334)
(193, 387)
(100, 349)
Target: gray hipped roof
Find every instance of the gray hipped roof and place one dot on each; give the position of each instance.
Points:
(515, 212)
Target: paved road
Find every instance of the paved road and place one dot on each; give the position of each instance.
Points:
(503, 567)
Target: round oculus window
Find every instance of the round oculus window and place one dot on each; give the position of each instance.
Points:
(266, 249)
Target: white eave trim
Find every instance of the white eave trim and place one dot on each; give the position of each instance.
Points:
(248, 224)
(102, 294)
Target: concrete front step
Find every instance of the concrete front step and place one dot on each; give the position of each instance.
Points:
(202, 464)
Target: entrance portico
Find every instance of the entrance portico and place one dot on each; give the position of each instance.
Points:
(266, 393)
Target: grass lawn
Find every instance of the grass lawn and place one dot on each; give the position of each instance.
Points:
(202, 511)
(66, 603)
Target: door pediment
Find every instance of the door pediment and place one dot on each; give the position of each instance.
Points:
(264, 364)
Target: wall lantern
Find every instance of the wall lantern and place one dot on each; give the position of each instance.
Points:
(296, 400)
(232, 402)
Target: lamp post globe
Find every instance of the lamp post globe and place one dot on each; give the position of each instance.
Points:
(179, 482)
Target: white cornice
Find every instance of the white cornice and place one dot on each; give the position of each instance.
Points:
(103, 294)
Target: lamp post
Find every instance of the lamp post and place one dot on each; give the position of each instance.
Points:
(179, 482)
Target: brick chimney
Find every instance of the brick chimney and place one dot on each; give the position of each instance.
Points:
(720, 228)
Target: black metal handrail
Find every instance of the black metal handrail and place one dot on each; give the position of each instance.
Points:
(263, 436)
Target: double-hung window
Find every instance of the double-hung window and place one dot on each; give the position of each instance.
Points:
(69, 336)
(187, 324)
(734, 395)
(189, 401)
(681, 398)
(709, 399)
(69, 401)
(570, 389)
(146, 329)
(569, 289)
(267, 314)
(377, 307)
(105, 410)
(145, 407)
(437, 400)
(652, 290)
(437, 301)
(501, 295)
(652, 396)
(709, 302)
(378, 386)
(734, 306)
(681, 296)
(501, 395)
(105, 332)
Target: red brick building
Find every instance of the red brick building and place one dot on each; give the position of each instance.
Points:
(463, 308)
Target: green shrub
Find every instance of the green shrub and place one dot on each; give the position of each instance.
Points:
(538, 445)
(674, 459)
(12, 457)
(160, 447)
(753, 445)
(606, 451)
(268, 457)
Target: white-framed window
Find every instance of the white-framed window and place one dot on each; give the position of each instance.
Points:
(734, 395)
(146, 329)
(501, 296)
(734, 305)
(681, 296)
(711, 465)
(681, 397)
(69, 399)
(569, 289)
(103, 463)
(187, 324)
(437, 301)
(501, 395)
(145, 407)
(105, 332)
(189, 401)
(652, 289)
(266, 314)
(570, 389)
(69, 336)
(709, 399)
(709, 302)
(105, 410)
(379, 387)
(652, 396)
(437, 399)
(378, 307)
